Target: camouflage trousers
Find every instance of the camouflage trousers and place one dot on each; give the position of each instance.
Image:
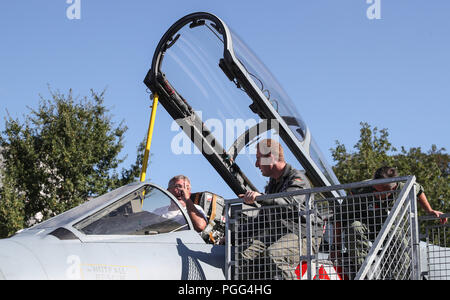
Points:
(395, 264)
(284, 253)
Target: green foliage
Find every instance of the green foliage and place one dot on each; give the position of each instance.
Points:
(65, 153)
(374, 150)
(11, 209)
(431, 170)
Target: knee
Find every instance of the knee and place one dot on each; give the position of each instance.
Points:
(357, 226)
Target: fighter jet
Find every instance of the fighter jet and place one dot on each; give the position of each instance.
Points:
(201, 72)
(118, 235)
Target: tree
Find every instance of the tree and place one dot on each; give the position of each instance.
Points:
(374, 150)
(64, 153)
(11, 209)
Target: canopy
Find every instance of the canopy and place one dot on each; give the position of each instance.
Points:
(225, 99)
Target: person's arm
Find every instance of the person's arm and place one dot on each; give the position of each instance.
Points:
(294, 184)
(197, 218)
(249, 197)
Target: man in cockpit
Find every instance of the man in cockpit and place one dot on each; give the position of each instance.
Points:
(284, 252)
(180, 187)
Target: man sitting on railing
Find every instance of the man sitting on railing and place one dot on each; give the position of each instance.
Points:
(284, 251)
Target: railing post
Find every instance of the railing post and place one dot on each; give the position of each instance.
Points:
(308, 236)
(227, 242)
(387, 227)
(416, 265)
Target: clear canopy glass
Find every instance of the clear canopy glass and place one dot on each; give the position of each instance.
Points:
(191, 65)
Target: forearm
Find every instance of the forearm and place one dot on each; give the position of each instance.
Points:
(422, 199)
(197, 218)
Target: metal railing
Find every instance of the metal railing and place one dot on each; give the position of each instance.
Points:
(437, 248)
(358, 236)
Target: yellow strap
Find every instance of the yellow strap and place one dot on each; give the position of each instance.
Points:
(149, 137)
(213, 215)
(212, 238)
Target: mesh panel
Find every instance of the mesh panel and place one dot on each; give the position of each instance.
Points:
(359, 236)
(438, 250)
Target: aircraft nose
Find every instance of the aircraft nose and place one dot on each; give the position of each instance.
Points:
(18, 262)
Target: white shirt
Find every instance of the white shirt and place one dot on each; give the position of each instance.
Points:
(176, 214)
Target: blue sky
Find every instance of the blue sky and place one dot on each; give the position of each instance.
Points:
(337, 65)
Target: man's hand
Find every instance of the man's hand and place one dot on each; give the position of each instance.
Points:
(438, 214)
(183, 192)
(249, 197)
